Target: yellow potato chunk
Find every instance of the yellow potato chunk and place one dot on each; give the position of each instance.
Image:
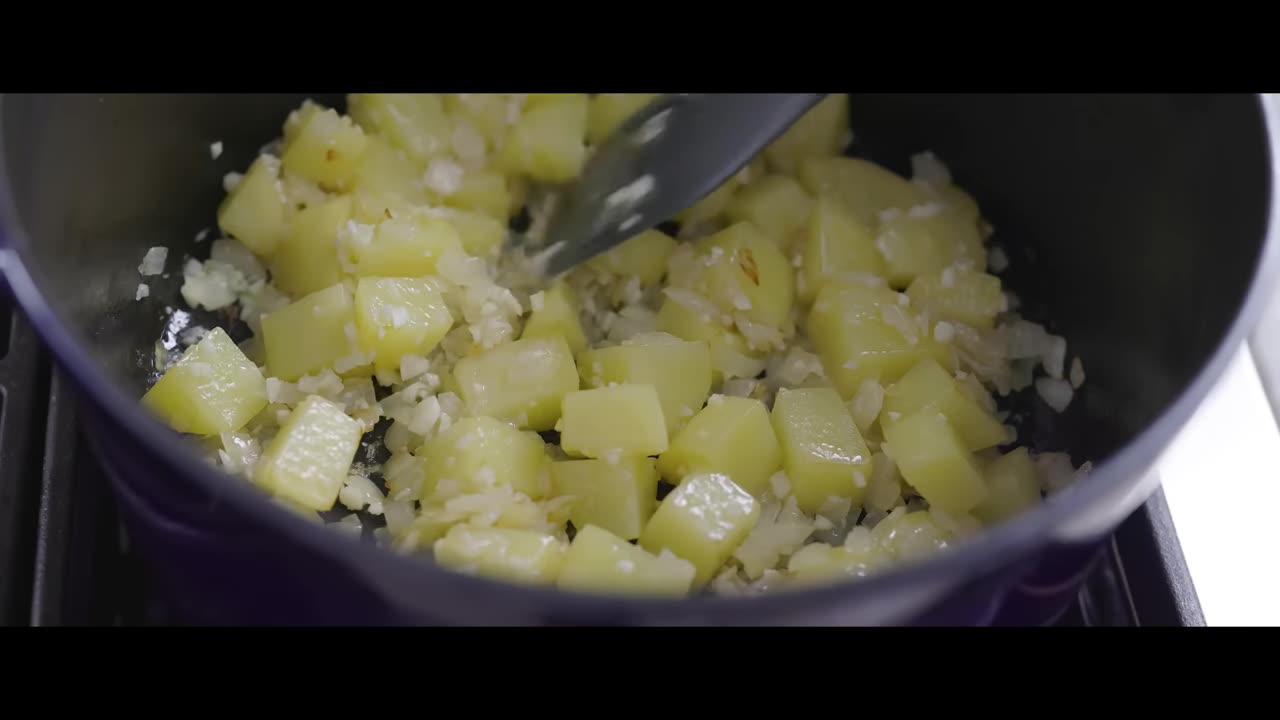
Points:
(307, 258)
(730, 356)
(407, 247)
(742, 270)
(327, 150)
(907, 536)
(399, 316)
(959, 295)
(481, 236)
(522, 556)
(479, 453)
(923, 245)
(824, 130)
(836, 242)
(731, 436)
(643, 256)
(609, 110)
(486, 112)
(254, 212)
(484, 192)
(822, 451)
(929, 386)
(555, 314)
(547, 142)
(613, 422)
(932, 457)
(820, 563)
(310, 334)
(619, 497)
(703, 521)
(212, 389)
(387, 172)
(298, 119)
(864, 187)
(308, 461)
(679, 370)
(414, 123)
(1012, 487)
(776, 204)
(523, 381)
(600, 562)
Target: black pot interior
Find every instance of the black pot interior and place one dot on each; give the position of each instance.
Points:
(1134, 222)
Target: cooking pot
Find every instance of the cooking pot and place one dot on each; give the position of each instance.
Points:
(1140, 227)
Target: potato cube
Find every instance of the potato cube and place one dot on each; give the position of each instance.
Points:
(481, 235)
(731, 436)
(679, 370)
(864, 187)
(742, 270)
(1012, 487)
(822, 451)
(522, 556)
(929, 386)
(298, 119)
(703, 521)
(609, 110)
(484, 192)
(932, 457)
(310, 334)
(643, 256)
(308, 461)
(212, 389)
(486, 112)
(476, 454)
(555, 314)
(613, 422)
(327, 150)
(730, 356)
(907, 536)
(959, 295)
(619, 497)
(407, 247)
(776, 204)
(547, 142)
(824, 130)
(307, 258)
(923, 245)
(836, 242)
(523, 381)
(387, 170)
(254, 212)
(601, 562)
(414, 123)
(820, 563)
(399, 316)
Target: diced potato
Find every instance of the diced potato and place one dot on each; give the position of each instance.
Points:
(929, 386)
(478, 453)
(387, 170)
(744, 271)
(836, 242)
(481, 236)
(732, 437)
(959, 295)
(310, 334)
(819, 563)
(407, 247)
(557, 316)
(487, 112)
(619, 497)
(907, 536)
(1012, 487)
(679, 370)
(932, 457)
(523, 381)
(609, 110)
(848, 328)
(703, 521)
(643, 256)
(327, 150)
(776, 204)
(613, 422)
(254, 211)
(923, 245)
(399, 316)
(414, 123)
(730, 356)
(484, 192)
(521, 556)
(547, 143)
(307, 258)
(600, 562)
(863, 186)
(822, 451)
(308, 461)
(824, 130)
(212, 389)
(298, 119)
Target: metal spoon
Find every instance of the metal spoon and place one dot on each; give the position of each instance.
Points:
(662, 160)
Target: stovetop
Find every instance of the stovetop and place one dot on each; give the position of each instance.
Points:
(65, 560)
